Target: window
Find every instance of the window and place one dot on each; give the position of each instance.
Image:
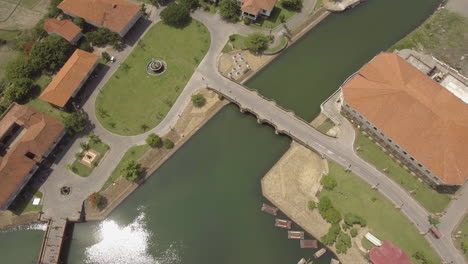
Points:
(412, 158)
(419, 165)
(375, 128)
(404, 152)
(368, 122)
(30, 155)
(389, 140)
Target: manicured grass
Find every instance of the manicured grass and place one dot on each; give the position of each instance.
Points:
(353, 195)
(23, 204)
(9, 34)
(237, 41)
(133, 153)
(133, 101)
(429, 198)
(281, 45)
(325, 126)
(274, 19)
(42, 106)
(84, 171)
(29, 3)
(444, 35)
(463, 236)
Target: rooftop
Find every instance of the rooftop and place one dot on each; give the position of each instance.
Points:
(388, 254)
(424, 118)
(25, 137)
(70, 78)
(254, 6)
(112, 14)
(65, 28)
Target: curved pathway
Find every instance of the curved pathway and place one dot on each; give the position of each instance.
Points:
(57, 206)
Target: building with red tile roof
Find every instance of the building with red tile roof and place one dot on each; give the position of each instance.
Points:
(388, 254)
(253, 8)
(420, 122)
(26, 138)
(64, 28)
(116, 15)
(71, 77)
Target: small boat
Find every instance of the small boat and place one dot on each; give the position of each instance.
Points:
(286, 224)
(320, 252)
(295, 234)
(309, 243)
(269, 209)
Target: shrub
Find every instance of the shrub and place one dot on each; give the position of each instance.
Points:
(154, 141)
(330, 237)
(324, 204)
(84, 146)
(332, 215)
(311, 205)
(96, 200)
(229, 10)
(51, 53)
(434, 220)
(75, 122)
(189, 4)
(329, 182)
(79, 22)
(168, 144)
(79, 155)
(94, 138)
(132, 170)
(343, 242)
(102, 37)
(247, 20)
(106, 56)
(256, 42)
(353, 232)
(292, 4)
(86, 46)
(175, 15)
(352, 219)
(198, 100)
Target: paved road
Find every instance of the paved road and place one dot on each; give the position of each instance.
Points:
(57, 206)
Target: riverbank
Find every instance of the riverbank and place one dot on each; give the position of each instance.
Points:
(189, 122)
(9, 220)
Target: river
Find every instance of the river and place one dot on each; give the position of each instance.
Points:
(202, 206)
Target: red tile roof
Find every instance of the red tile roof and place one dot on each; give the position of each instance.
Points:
(254, 6)
(37, 134)
(112, 14)
(64, 28)
(413, 110)
(388, 254)
(70, 78)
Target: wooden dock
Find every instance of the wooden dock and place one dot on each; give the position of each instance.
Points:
(295, 234)
(286, 224)
(52, 242)
(269, 209)
(309, 243)
(320, 252)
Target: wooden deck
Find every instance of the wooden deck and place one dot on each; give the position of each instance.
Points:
(286, 224)
(52, 242)
(269, 209)
(295, 234)
(309, 243)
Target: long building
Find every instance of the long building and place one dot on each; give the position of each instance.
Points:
(26, 138)
(417, 120)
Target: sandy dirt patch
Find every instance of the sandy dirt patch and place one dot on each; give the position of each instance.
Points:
(21, 18)
(227, 62)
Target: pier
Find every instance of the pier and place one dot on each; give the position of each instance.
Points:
(52, 241)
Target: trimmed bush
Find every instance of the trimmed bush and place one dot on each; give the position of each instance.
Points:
(198, 100)
(154, 141)
(168, 144)
(328, 182)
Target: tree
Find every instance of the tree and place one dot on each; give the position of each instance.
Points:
(189, 4)
(106, 56)
(51, 53)
(154, 141)
(292, 4)
(434, 220)
(86, 46)
(18, 90)
(332, 215)
(343, 242)
(175, 15)
(352, 219)
(198, 100)
(168, 144)
(79, 22)
(328, 182)
(311, 205)
(330, 237)
(324, 204)
(353, 232)
(96, 200)
(229, 10)
(103, 36)
(75, 122)
(21, 67)
(132, 170)
(256, 42)
(157, 2)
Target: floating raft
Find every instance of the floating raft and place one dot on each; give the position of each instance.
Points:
(309, 243)
(334, 261)
(269, 209)
(303, 261)
(295, 235)
(286, 224)
(320, 252)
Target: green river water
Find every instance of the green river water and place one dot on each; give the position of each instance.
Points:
(202, 206)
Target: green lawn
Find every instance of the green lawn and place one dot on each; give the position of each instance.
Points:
(281, 45)
(318, 5)
(274, 19)
(133, 101)
(463, 236)
(5, 58)
(325, 126)
(353, 195)
(29, 3)
(133, 153)
(84, 171)
(23, 204)
(9, 34)
(429, 198)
